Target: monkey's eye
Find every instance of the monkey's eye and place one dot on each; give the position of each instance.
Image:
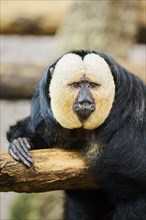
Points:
(75, 85)
(93, 85)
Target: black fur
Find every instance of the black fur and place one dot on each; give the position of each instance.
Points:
(121, 166)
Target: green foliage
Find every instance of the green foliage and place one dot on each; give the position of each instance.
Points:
(23, 207)
(37, 206)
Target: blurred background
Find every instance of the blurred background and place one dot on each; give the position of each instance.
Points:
(35, 33)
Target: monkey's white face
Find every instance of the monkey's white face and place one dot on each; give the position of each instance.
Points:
(69, 70)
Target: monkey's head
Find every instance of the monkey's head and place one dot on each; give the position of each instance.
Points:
(82, 91)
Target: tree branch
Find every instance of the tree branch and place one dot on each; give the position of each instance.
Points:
(53, 169)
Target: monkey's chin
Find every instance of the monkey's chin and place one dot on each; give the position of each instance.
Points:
(72, 127)
(88, 127)
(70, 123)
(75, 123)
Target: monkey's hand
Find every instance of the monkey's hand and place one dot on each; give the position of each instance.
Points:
(19, 150)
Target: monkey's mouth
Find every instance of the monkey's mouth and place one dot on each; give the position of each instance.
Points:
(84, 110)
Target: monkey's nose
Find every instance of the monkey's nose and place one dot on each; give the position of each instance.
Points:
(84, 109)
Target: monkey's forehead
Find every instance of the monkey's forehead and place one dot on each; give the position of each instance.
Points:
(92, 65)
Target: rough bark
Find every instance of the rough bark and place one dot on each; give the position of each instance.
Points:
(53, 169)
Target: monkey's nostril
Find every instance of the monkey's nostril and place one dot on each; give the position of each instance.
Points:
(86, 102)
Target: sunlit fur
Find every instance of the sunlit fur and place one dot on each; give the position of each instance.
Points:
(70, 68)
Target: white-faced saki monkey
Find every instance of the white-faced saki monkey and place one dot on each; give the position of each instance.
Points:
(88, 102)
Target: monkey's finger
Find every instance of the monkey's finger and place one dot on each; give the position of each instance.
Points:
(22, 158)
(27, 143)
(13, 154)
(22, 152)
(23, 145)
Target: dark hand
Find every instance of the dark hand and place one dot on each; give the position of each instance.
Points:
(19, 150)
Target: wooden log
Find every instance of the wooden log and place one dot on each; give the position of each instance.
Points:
(19, 81)
(53, 169)
(17, 17)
